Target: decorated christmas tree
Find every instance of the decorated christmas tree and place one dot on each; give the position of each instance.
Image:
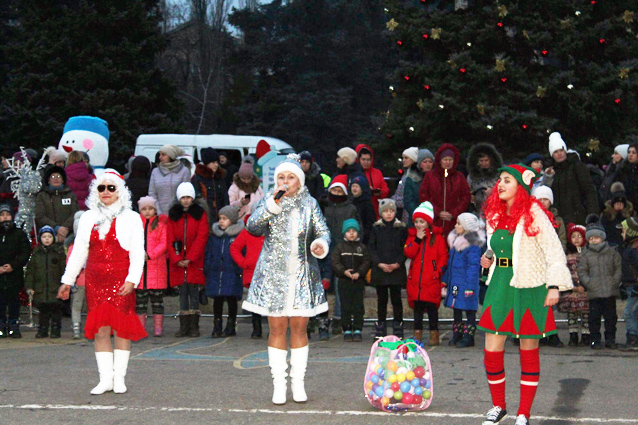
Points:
(511, 72)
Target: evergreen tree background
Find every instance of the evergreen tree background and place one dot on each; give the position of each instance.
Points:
(511, 72)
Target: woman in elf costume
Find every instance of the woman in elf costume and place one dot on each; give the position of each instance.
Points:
(526, 273)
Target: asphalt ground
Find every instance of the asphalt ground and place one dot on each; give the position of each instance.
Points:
(204, 380)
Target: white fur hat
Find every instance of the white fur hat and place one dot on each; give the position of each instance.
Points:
(292, 165)
(541, 192)
(622, 150)
(412, 153)
(185, 189)
(556, 142)
(348, 155)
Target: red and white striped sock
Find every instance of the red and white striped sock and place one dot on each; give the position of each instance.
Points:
(495, 369)
(530, 375)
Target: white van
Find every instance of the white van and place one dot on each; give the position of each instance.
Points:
(236, 147)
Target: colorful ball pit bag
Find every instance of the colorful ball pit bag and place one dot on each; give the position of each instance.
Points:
(399, 376)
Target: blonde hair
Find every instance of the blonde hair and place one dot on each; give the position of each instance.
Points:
(74, 157)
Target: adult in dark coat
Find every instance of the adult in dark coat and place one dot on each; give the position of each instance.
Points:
(612, 170)
(15, 250)
(210, 183)
(483, 162)
(139, 179)
(361, 201)
(229, 168)
(452, 201)
(56, 204)
(312, 170)
(628, 174)
(575, 195)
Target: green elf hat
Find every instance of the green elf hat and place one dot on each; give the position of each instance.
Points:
(524, 175)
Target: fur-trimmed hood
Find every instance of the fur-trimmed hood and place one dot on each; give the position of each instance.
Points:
(414, 175)
(248, 188)
(464, 241)
(205, 172)
(315, 170)
(396, 223)
(610, 213)
(362, 146)
(231, 231)
(196, 210)
(479, 150)
(437, 159)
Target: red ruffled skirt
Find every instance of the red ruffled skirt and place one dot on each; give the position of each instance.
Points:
(106, 270)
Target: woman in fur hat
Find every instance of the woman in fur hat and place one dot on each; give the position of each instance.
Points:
(617, 209)
(483, 162)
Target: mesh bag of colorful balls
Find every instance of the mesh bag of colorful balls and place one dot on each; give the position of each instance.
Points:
(399, 376)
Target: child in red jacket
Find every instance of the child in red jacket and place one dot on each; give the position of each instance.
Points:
(187, 237)
(245, 251)
(155, 275)
(426, 248)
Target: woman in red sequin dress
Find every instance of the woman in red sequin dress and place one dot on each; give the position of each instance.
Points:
(110, 241)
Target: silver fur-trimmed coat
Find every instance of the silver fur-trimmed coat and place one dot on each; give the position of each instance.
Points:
(286, 263)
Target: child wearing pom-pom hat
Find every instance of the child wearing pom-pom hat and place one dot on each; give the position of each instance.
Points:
(425, 246)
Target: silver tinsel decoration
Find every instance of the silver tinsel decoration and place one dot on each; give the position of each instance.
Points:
(25, 187)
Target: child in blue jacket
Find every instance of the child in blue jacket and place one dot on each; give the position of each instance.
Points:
(223, 276)
(462, 276)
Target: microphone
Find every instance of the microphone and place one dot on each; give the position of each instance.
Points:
(281, 193)
(489, 254)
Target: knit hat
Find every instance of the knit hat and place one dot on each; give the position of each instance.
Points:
(533, 157)
(541, 192)
(185, 189)
(447, 153)
(305, 156)
(622, 150)
(350, 223)
(424, 211)
(595, 227)
(340, 180)
(46, 229)
(147, 201)
(556, 142)
(412, 153)
(57, 155)
(20, 157)
(7, 208)
(230, 211)
(245, 170)
(571, 228)
(209, 155)
(53, 170)
(292, 165)
(631, 226)
(385, 204)
(618, 193)
(172, 151)
(525, 176)
(423, 155)
(470, 222)
(348, 155)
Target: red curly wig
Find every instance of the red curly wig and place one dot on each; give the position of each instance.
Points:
(495, 211)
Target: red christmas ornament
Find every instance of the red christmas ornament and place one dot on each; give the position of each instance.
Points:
(617, 101)
(400, 171)
(500, 25)
(601, 41)
(389, 136)
(406, 78)
(427, 87)
(524, 126)
(504, 80)
(593, 1)
(426, 36)
(424, 1)
(400, 43)
(544, 52)
(462, 70)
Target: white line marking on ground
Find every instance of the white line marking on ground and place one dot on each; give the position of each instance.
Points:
(297, 412)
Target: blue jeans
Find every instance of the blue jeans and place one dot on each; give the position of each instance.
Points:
(631, 312)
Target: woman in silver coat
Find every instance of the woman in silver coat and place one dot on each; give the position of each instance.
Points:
(286, 285)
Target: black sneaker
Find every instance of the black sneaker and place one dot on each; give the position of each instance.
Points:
(347, 336)
(495, 415)
(611, 345)
(596, 345)
(357, 337)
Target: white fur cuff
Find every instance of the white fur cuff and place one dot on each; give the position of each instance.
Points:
(323, 244)
(272, 206)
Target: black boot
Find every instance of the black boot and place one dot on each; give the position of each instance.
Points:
(468, 337)
(230, 327)
(194, 326)
(347, 333)
(336, 326)
(457, 333)
(4, 332)
(14, 329)
(585, 340)
(380, 329)
(324, 329)
(256, 328)
(55, 330)
(632, 343)
(43, 331)
(554, 341)
(573, 339)
(184, 326)
(217, 328)
(397, 329)
(543, 342)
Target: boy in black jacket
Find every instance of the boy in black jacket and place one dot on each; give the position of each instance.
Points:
(350, 263)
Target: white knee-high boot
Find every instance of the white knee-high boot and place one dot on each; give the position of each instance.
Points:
(120, 364)
(298, 364)
(278, 366)
(105, 368)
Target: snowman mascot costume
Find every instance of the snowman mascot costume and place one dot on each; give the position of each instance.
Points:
(90, 135)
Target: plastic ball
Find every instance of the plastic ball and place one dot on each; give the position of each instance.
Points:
(427, 394)
(415, 382)
(369, 385)
(417, 399)
(403, 349)
(400, 377)
(385, 401)
(428, 384)
(379, 370)
(410, 375)
(398, 395)
(375, 397)
(395, 386)
(407, 398)
(392, 379)
(375, 378)
(427, 375)
(379, 391)
(381, 382)
(383, 361)
(422, 382)
(392, 365)
(418, 390)
(411, 355)
(388, 393)
(405, 386)
(419, 372)
(374, 388)
(402, 370)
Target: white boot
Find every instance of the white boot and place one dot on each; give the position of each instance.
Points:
(105, 368)
(278, 366)
(298, 363)
(120, 364)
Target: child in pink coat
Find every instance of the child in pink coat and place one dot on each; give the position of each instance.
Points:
(154, 279)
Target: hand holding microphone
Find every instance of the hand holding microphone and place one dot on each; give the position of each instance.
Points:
(282, 191)
(486, 262)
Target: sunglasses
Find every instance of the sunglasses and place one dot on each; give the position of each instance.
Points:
(111, 188)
